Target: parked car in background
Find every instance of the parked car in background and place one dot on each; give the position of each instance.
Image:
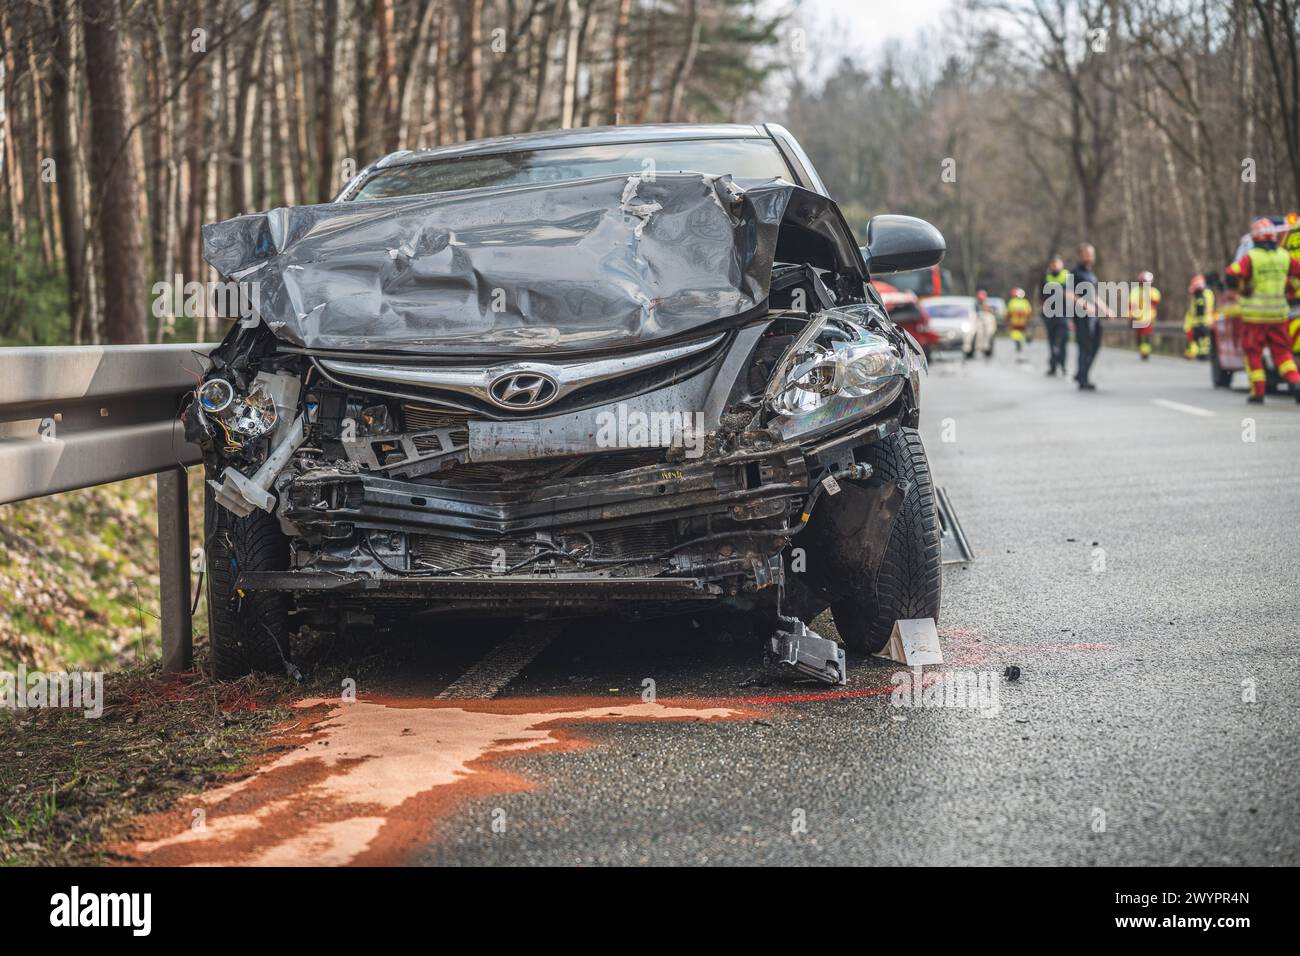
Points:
(998, 306)
(961, 324)
(908, 313)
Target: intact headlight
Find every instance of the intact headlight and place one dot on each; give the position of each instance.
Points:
(833, 371)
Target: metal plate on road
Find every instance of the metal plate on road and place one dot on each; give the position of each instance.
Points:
(955, 548)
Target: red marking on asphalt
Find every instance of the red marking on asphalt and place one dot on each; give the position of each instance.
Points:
(368, 782)
(970, 650)
(824, 695)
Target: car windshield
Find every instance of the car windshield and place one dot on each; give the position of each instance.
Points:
(756, 158)
(947, 310)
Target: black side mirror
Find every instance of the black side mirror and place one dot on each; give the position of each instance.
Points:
(902, 244)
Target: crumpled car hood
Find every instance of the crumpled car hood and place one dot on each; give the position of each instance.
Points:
(574, 266)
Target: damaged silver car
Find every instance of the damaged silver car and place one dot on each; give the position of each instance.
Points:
(635, 370)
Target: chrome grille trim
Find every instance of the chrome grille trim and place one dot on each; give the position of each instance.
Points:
(476, 380)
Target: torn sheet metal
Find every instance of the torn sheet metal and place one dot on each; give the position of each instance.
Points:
(570, 266)
(242, 494)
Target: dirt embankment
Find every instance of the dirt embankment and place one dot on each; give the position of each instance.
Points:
(70, 785)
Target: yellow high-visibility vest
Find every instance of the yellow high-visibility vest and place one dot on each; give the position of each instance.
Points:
(1142, 302)
(1200, 311)
(1268, 274)
(1018, 312)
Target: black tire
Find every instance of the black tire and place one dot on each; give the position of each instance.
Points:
(250, 633)
(1219, 376)
(909, 581)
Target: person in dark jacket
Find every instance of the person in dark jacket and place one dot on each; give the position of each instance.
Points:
(1088, 311)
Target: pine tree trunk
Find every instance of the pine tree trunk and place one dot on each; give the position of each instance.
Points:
(116, 188)
(618, 74)
(325, 174)
(65, 169)
(472, 50)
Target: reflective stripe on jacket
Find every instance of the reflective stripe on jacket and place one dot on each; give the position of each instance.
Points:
(1018, 312)
(1200, 311)
(1266, 301)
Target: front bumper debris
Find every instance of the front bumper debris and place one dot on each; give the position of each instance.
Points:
(738, 483)
(795, 647)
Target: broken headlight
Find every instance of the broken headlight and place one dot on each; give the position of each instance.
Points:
(235, 414)
(830, 359)
(833, 371)
(251, 415)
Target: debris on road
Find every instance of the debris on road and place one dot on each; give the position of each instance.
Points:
(914, 642)
(1012, 672)
(801, 649)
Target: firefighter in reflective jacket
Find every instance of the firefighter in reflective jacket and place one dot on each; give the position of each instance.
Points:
(1198, 318)
(1293, 293)
(1262, 275)
(1142, 303)
(1019, 312)
(1052, 299)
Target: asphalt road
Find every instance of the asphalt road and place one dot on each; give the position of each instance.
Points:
(1136, 559)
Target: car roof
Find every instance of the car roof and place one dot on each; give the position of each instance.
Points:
(949, 300)
(585, 136)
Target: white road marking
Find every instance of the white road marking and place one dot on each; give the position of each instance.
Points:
(502, 664)
(1180, 407)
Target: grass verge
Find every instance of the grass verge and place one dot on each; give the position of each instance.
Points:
(71, 785)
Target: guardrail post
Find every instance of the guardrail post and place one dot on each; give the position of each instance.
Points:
(174, 570)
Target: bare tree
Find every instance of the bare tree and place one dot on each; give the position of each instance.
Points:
(685, 63)
(1278, 26)
(325, 176)
(472, 56)
(572, 39)
(618, 72)
(386, 65)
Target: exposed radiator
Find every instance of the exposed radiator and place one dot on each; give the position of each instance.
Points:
(421, 417)
(636, 542)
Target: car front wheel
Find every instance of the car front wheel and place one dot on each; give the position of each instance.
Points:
(1219, 376)
(908, 581)
(247, 632)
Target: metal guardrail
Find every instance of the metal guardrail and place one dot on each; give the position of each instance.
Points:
(77, 416)
(1168, 337)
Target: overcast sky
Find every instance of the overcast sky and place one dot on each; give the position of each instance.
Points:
(863, 28)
